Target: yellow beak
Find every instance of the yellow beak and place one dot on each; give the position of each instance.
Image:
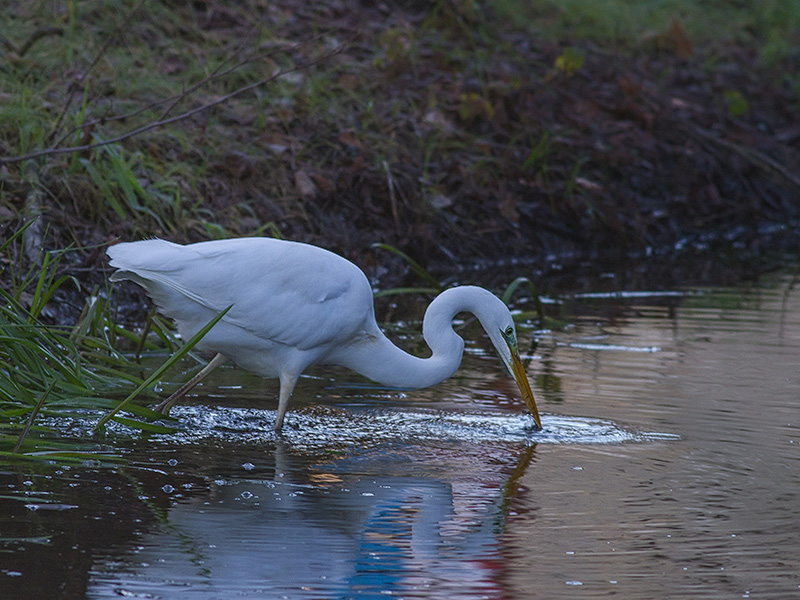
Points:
(518, 370)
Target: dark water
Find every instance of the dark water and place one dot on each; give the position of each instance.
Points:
(669, 468)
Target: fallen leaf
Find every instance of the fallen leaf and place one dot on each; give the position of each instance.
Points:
(508, 208)
(349, 82)
(630, 87)
(679, 40)
(588, 184)
(325, 185)
(173, 65)
(239, 165)
(305, 185)
(435, 118)
(349, 139)
(474, 105)
(440, 201)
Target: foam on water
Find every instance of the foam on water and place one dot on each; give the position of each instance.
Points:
(323, 426)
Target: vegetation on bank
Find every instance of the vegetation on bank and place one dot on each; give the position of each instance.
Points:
(453, 130)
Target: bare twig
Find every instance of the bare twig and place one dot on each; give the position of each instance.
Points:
(185, 115)
(173, 100)
(36, 36)
(33, 238)
(392, 197)
(756, 158)
(215, 74)
(32, 39)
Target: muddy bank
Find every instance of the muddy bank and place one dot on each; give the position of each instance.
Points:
(462, 139)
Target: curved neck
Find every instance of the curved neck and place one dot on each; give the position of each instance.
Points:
(379, 359)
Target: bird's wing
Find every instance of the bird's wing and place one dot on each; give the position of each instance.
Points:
(287, 292)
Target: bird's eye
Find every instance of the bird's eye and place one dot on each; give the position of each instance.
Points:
(509, 331)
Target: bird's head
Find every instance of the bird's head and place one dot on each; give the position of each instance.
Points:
(504, 337)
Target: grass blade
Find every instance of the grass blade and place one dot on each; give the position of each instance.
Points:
(144, 426)
(160, 371)
(512, 288)
(417, 268)
(32, 416)
(406, 290)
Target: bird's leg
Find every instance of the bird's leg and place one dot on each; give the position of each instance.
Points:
(165, 406)
(288, 381)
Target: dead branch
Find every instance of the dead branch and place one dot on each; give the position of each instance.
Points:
(33, 236)
(185, 115)
(175, 99)
(754, 157)
(38, 35)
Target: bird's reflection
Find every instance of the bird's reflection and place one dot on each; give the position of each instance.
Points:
(338, 526)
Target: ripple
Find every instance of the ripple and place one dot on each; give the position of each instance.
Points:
(616, 347)
(324, 426)
(638, 294)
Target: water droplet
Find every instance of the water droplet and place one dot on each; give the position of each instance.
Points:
(168, 489)
(247, 495)
(248, 466)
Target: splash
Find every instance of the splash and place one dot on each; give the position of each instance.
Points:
(322, 426)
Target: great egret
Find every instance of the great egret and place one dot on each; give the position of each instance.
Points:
(295, 305)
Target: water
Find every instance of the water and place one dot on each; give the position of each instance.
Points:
(669, 468)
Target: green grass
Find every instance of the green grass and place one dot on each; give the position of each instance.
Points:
(72, 372)
(773, 25)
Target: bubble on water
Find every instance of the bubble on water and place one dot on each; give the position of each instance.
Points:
(323, 426)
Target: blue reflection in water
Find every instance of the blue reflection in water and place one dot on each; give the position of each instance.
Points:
(383, 550)
(365, 537)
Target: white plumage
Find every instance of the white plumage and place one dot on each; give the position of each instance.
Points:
(294, 305)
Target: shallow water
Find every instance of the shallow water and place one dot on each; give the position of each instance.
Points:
(669, 467)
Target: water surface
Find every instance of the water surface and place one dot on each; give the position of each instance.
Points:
(669, 467)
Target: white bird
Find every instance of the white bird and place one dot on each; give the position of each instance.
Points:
(294, 305)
